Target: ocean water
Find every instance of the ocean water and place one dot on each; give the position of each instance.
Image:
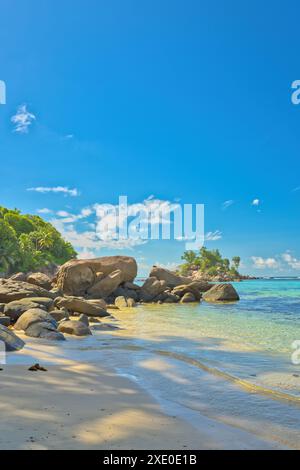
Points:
(230, 362)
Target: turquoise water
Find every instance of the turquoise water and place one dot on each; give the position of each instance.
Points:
(231, 361)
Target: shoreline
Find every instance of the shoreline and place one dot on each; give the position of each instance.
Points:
(87, 406)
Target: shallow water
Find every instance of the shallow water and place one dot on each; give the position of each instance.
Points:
(232, 362)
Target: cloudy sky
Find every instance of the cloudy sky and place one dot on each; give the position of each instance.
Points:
(172, 102)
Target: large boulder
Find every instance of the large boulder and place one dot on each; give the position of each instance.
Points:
(34, 315)
(107, 285)
(16, 290)
(16, 308)
(221, 293)
(75, 304)
(196, 288)
(78, 276)
(171, 279)
(11, 340)
(39, 279)
(44, 330)
(151, 288)
(74, 327)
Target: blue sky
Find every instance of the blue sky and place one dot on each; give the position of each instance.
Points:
(186, 101)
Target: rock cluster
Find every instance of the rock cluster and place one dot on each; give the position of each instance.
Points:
(41, 307)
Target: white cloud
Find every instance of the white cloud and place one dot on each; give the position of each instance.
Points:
(22, 119)
(296, 189)
(44, 211)
(86, 254)
(171, 266)
(255, 202)
(227, 204)
(107, 225)
(263, 263)
(292, 262)
(213, 236)
(56, 189)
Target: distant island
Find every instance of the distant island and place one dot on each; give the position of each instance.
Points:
(209, 265)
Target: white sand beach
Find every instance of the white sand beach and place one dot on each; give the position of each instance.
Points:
(87, 406)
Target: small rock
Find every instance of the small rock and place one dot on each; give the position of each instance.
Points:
(188, 297)
(121, 302)
(74, 327)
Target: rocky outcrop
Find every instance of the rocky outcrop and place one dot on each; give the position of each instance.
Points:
(77, 277)
(221, 293)
(16, 290)
(74, 327)
(76, 304)
(107, 285)
(11, 340)
(171, 279)
(39, 279)
(196, 288)
(151, 288)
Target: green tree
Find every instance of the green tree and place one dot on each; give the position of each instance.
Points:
(27, 242)
(9, 247)
(236, 262)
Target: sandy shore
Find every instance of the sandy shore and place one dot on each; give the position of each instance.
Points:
(86, 406)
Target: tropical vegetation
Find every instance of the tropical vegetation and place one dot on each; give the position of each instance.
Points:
(27, 243)
(210, 262)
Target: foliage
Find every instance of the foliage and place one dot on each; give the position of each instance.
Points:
(209, 262)
(27, 242)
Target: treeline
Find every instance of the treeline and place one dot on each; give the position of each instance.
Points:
(27, 243)
(209, 262)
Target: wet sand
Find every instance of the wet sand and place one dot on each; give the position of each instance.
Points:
(86, 406)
